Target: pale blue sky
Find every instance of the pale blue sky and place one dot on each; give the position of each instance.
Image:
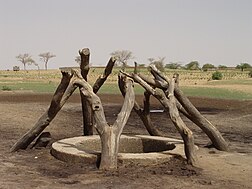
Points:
(209, 31)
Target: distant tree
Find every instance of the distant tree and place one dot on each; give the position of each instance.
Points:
(45, 57)
(159, 63)
(194, 65)
(205, 67)
(222, 67)
(173, 65)
(25, 59)
(122, 57)
(78, 59)
(243, 66)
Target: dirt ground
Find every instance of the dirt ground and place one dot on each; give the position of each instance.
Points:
(36, 168)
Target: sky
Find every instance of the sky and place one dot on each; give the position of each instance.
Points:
(208, 31)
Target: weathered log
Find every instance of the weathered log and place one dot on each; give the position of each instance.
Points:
(184, 131)
(145, 116)
(109, 134)
(102, 78)
(143, 113)
(63, 92)
(169, 103)
(86, 109)
(84, 64)
(195, 116)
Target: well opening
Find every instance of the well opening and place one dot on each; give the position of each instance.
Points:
(129, 145)
(139, 149)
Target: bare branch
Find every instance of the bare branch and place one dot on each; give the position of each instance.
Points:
(102, 78)
(126, 108)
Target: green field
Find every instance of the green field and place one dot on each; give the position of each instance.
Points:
(193, 83)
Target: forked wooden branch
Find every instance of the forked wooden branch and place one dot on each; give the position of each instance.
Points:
(109, 134)
(63, 92)
(128, 104)
(101, 79)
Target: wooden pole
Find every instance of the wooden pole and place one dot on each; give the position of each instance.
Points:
(63, 92)
(86, 110)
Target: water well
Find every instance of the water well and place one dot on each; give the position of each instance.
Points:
(136, 149)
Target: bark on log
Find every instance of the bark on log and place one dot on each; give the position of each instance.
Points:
(189, 110)
(145, 116)
(169, 103)
(143, 113)
(101, 79)
(184, 131)
(84, 65)
(86, 109)
(109, 134)
(195, 116)
(63, 92)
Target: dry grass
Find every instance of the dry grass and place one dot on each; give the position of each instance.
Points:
(234, 82)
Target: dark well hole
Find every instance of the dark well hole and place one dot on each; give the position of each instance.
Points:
(128, 145)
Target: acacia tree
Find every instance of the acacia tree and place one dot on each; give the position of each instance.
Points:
(45, 58)
(25, 59)
(243, 66)
(194, 65)
(122, 57)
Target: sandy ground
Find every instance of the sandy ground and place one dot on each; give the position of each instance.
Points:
(36, 168)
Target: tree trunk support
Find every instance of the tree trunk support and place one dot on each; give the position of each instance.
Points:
(109, 134)
(143, 113)
(169, 103)
(86, 110)
(188, 109)
(63, 92)
(193, 114)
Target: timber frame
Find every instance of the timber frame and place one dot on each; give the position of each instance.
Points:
(167, 91)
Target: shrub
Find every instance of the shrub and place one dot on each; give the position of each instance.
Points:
(6, 88)
(217, 75)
